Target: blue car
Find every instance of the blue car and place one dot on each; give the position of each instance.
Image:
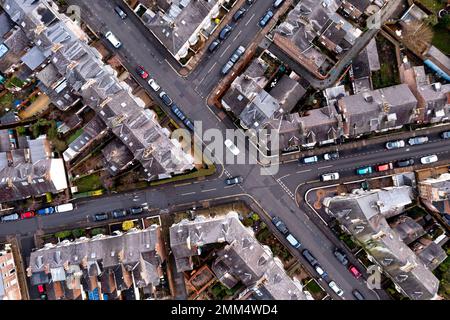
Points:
(178, 112)
(45, 211)
(364, 170)
(266, 18)
(188, 123)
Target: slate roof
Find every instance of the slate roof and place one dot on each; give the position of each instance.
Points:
(363, 214)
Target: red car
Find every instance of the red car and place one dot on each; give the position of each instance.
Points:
(384, 167)
(41, 288)
(141, 72)
(27, 215)
(354, 271)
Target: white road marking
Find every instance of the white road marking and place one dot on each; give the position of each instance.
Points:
(188, 193)
(303, 171)
(208, 190)
(237, 35)
(224, 51)
(210, 69)
(325, 167)
(250, 19)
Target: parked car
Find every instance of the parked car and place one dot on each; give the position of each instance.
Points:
(27, 215)
(417, 140)
(120, 12)
(330, 176)
(142, 72)
(335, 288)
(277, 3)
(341, 256)
(237, 54)
(45, 211)
(354, 271)
(117, 214)
(154, 85)
(188, 123)
(429, 159)
(66, 207)
(445, 135)
(101, 216)
(384, 167)
(265, 18)
(358, 295)
(234, 180)
(293, 241)
(331, 156)
(239, 14)
(227, 67)
(280, 225)
(225, 32)
(41, 288)
(214, 45)
(364, 170)
(165, 98)
(309, 160)
(178, 112)
(136, 210)
(320, 271)
(395, 144)
(10, 217)
(230, 145)
(113, 40)
(308, 256)
(250, 2)
(405, 163)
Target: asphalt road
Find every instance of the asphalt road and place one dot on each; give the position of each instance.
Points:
(270, 192)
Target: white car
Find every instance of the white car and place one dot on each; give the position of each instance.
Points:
(330, 176)
(429, 159)
(230, 145)
(335, 288)
(155, 86)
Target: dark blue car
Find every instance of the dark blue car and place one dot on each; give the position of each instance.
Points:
(45, 211)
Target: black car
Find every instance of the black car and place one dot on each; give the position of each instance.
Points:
(308, 256)
(358, 295)
(101, 216)
(239, 14)
(234, 180)
(117, 214)
(120, 12)
(405, 163)
(280, 225)
(136, 210)
(225, 32)
(214, 45)
(341, 256)
(165, 98)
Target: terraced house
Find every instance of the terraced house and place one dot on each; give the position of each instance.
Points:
(76, 71)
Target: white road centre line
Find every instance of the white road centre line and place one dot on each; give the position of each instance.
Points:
(225, 51)
(303, 171)
(250, 19)
(234, 39)
(330, 166)
(188, 193)
(212, 67)
(208, 190)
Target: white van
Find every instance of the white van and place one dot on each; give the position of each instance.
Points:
(10, 217)
(112, 38)
(330, 176)
(294, 242)
(309, 160)
(64, 207)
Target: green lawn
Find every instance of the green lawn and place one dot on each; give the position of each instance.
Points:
(441, 39)
(313, 287)
(433, 5)
(75, 135)
(88, 183)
